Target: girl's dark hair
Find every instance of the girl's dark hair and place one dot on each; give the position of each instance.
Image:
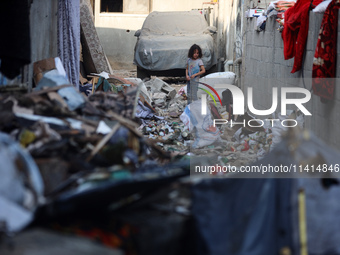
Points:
(192, 50)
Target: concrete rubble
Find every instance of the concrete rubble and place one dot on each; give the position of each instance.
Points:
(98, 162)
(115, 158)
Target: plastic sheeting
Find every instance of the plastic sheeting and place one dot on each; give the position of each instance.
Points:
(242, 216)
(260, 216)
(322, 212)
(20, 180)
(166, 37)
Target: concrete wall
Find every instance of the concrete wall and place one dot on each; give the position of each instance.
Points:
(176, 5)
(44, 36)
(233, 29)
(44, 19)
(116, 30)
(264, 67)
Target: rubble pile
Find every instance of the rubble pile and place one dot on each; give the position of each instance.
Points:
(108, 164)
(77, 141)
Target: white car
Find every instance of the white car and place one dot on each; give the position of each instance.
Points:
(164, 41)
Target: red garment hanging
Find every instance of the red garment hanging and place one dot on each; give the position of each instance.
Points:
(324, 63)
(295, 31)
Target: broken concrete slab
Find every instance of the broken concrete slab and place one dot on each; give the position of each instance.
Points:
(159, 95)
(158, 85)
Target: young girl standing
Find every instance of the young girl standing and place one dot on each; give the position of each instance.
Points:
(193, 71)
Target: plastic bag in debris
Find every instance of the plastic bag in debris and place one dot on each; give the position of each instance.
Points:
(21, 184)
(205, 132)
(53, 78)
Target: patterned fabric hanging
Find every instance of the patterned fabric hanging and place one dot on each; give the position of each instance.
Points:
(295, 31)
(324, 63)
(69, 38)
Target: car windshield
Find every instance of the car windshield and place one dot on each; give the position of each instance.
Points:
(173, 23)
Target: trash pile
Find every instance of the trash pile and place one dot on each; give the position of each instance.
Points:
(181, 129)
(75, 145)
(110, 165)
(159, 114)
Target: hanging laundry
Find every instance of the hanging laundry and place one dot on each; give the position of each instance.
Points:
(69, 38)
(324, 63)
(295, 31)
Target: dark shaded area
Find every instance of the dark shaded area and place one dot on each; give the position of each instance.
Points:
(15, 49)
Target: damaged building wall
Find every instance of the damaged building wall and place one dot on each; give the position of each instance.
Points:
(44, 37)
(116, 34)
(265, 67)
(116, 29)
(233, 34)
(44, 21)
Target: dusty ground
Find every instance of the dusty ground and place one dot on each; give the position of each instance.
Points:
(221, 149)
(125, 73)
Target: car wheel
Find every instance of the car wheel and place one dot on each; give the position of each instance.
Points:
(142, 73)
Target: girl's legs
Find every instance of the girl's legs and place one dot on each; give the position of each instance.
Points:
(189, 92)
(192, 88)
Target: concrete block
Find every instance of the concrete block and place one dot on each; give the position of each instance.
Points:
(258, 39)
(311, 22)
(258, 69)
(264, 51)
(267, 70)
(287, 72)
(269, 42)
(337, 89)
(272, 83)
(248, 79)
(262, 69)
(308, 61)
(251, 52)
(278, 55)
(271, 24)
(247, 52)
(257, 53)
(296, 75)
(305, 81)
(157, 85)
(250, 67)
(276, 71)
(269, 56)
(284, 73)
(318, 20)
(311, 43)
(278, 42)
(250, 38)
